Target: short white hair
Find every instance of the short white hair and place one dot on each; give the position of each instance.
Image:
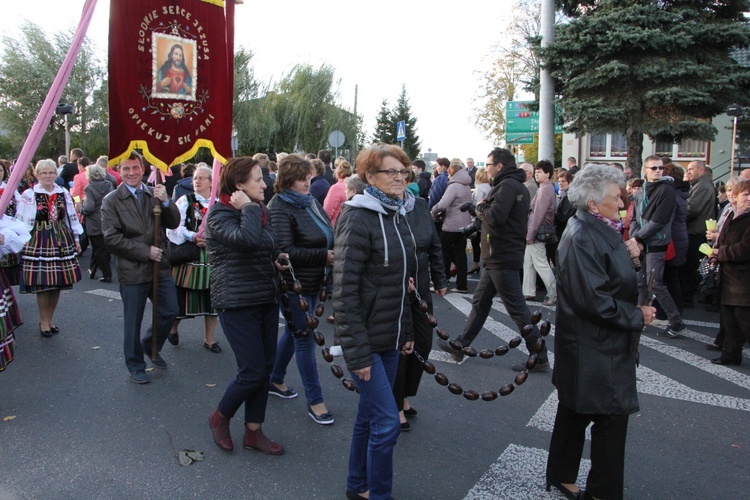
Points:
(590, 184)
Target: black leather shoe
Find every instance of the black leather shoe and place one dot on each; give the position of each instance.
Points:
(45, 333)
(174, 338)
(721, 361)
(565, 491)
(405, 426)
(714, 347)
(458, 356)
(105, 280)
(212, 347)
(541, 366)
(353, 495)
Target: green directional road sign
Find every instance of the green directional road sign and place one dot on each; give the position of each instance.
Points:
(519, 119)
(522, 138)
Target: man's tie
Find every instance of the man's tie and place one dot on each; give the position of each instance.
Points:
(140, 197)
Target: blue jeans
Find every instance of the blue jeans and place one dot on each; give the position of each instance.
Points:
(134, 303)
(376, 430)
(303, 347)
(251, 333)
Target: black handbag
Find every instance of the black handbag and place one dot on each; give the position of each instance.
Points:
(546, 234)
(183, 253)
(709, 271)
(186, 251)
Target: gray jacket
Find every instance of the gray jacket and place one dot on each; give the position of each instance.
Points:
(92, 204)
(701, 204)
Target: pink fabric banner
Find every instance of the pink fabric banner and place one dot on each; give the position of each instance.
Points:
(48, 108)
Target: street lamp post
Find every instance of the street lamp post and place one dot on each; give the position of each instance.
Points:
(734, 110)
(65, 110)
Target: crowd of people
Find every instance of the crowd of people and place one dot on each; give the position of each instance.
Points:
(380, 242)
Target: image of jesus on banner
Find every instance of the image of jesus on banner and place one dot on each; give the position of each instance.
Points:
(174, 65)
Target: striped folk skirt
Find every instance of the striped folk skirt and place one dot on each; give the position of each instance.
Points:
(192, 283)
(10, 319)
(49, 260)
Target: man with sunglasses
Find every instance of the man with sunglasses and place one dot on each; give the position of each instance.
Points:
(651, 228)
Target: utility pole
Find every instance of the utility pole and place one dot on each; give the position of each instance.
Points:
(547, 88)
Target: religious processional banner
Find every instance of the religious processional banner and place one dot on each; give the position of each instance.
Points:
(171, 79)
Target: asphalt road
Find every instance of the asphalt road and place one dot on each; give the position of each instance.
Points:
(73, 425)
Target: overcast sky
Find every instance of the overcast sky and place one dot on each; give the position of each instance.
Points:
(437, 49)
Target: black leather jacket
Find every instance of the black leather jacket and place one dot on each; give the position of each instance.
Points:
(596, 320)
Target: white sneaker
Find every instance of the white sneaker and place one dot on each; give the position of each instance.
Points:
(659, 322)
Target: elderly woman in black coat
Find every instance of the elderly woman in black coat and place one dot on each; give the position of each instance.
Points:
(595, 341)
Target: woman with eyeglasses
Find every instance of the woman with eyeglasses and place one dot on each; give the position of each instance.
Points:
(50, 259)
(191, 279)
(651, 228)
(374, 260)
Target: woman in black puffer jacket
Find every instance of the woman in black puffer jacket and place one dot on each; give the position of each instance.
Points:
(302, 230)
(244, 263)
(374, 259)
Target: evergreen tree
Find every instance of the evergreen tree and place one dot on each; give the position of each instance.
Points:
(402, 112)
(644, 67)
(385, 129)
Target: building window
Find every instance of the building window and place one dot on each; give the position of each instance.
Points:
(619, 146)
(598, 146)
(608, 146)
(690, 148)
(687, 149)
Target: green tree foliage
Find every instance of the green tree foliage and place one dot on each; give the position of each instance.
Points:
(29, 65)
(402, 112)
(514, 67)
(531, 151)
(387, 121)
(643, 67)
(297, 114)
(384, 130)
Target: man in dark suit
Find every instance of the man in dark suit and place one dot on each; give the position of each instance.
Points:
(128, 227)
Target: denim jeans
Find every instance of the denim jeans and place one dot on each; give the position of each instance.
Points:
(134, 303)
(376, 430)
(302, 347)
(507, 283)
